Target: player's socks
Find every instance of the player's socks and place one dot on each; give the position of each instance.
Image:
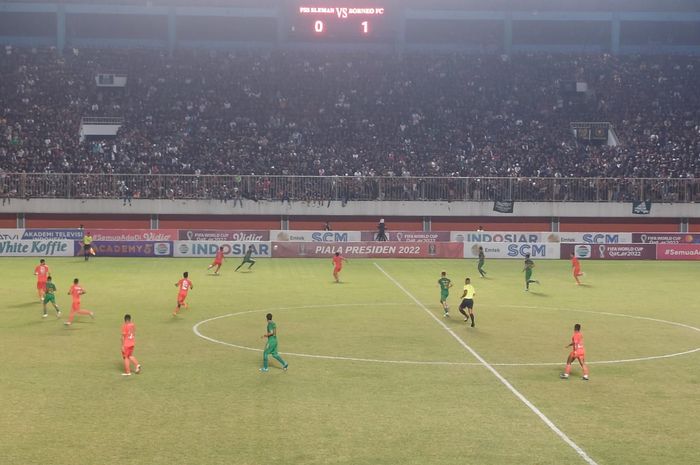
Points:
(567, 370)
(472, 317)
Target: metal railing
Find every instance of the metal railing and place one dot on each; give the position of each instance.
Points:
(353, 188)
(102, 120)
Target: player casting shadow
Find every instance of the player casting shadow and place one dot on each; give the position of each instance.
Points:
(27, 304)
(538, 294)
(585, 285)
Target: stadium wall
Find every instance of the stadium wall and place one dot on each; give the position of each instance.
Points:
(418, 209)
(408, 216)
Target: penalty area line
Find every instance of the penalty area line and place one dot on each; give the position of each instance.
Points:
(493, 371)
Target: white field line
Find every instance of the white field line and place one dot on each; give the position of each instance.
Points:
(197, 331)
(582, 453)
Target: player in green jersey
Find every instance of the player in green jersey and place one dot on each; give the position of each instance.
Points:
(482, 259)
(445, 285)
(271, 346)
(50, 296)
(247, 259)
(529, 265)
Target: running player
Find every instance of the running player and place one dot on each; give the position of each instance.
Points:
(576, 267)
(75, 292)
(128, 340)
(50, 296)
(247, 259)
(271, 346)
(218, 260)
(445, 285)
(338, 266)
(468, 301)
(577, 353)
(184, 285)
(41, 271)
(482, 259)
(529, 265)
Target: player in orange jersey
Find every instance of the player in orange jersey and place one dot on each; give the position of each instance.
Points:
(577, 353)
(338, 266)
(576, 267)
(75, 292)
(218, 260)
(128, 341)
(183, 285)
(41, 271)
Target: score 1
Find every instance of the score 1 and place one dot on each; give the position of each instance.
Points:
(320, 27)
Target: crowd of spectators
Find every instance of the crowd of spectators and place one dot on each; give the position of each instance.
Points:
(348, 114)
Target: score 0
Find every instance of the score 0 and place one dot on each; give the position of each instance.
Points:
(320, 26)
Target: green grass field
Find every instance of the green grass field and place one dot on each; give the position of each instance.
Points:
(201, 402)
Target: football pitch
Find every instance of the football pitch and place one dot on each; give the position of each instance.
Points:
(376, 374)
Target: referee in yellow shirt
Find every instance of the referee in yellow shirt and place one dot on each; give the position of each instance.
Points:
(468, 301)
(87, 245)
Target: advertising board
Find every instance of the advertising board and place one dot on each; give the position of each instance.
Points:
(678, 251)
(315, 236)
(47, 234)
(120, 235)
(610, 251)
(409, 236)
(128, 248)
(503, 236)
(231, 248)
(222, 235)
(368, 250)
(36, 248)
(595, 238)
(513, 250)
(665, 238)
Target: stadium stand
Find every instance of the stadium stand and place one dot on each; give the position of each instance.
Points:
(350, 114)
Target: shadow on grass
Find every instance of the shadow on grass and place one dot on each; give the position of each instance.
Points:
(26, 304)
(538, 294)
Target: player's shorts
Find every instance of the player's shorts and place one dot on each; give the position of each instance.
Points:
(444, 295)
(528, 274)
(41, 285)
(75, 306)
(337, 269)
(248, 260)
(127, 351)
(467, 303)
(580, 354)
(271, 347)
(181, 297)
(49, 298)
(217, 262)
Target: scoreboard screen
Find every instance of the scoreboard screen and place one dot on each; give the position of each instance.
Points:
(340, 22)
